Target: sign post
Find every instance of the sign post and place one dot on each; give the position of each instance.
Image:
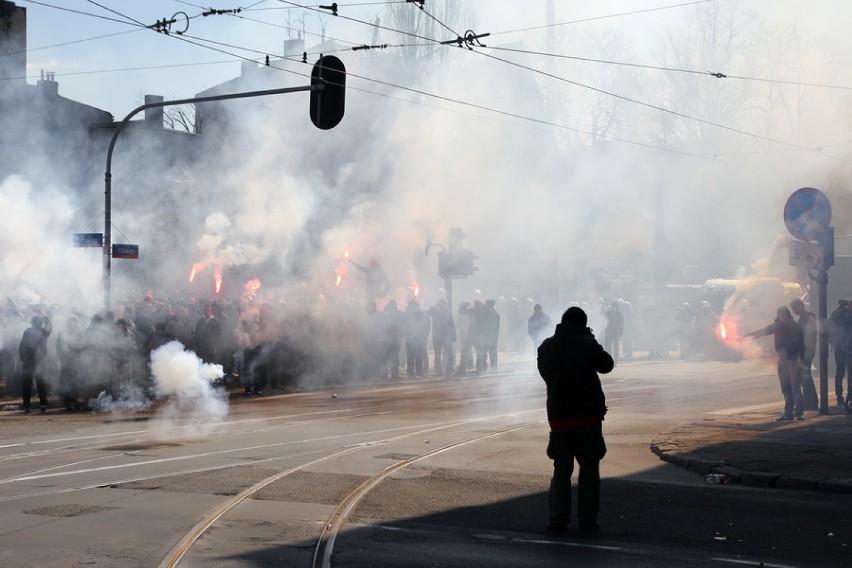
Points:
(807, 215)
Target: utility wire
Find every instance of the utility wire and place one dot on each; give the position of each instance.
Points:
(101, 6)
(651, 106)
(602, 17)
(662, 68)
(439, 97)
(45, 4)
(70, 42)
(143, 68)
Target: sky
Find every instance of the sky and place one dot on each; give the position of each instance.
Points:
(597, 148)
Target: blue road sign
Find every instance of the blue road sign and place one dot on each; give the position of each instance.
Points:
(807, 214)
(125, 251)
(88, 239)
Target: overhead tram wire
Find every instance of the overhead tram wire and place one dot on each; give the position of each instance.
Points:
(712, 74)
(424, 93)
(602, 91)
(74, 42)
(123, 69)
(82, 13)
(656, 107)
(591, 19)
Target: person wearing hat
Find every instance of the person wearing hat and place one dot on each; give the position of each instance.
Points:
(839, 323)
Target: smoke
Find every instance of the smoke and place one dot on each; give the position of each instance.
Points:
(130, 398)
(567, 193)
(185, 382)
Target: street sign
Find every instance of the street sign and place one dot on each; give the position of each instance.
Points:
(806, 255)
(125, 251)
(88, 239)
(807, 214)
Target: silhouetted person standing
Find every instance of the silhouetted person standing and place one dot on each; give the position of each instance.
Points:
(68, 347)
(32, 351)
(808, 323)
(378, 283)
(839, 323)
(790, 346)
(443, 337)
(208, 336)
(613, 331)
(569, 363)
(538, 326)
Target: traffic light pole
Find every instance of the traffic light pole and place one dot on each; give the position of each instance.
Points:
(107, 253)
(822, 292)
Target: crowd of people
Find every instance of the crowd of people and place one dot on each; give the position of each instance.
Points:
(312, 341)
(259, 344)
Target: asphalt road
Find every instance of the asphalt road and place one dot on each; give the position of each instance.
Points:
(430, 472)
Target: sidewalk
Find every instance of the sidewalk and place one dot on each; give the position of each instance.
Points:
(751, 448)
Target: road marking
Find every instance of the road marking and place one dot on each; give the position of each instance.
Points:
(742, 409)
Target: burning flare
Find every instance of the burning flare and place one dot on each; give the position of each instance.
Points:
(340, 271)
(413, 285)
(727, 328)
(218, 278)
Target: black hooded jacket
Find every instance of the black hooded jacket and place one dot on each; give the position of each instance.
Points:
(569, 363)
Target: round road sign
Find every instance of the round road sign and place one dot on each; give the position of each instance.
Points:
(807, 214)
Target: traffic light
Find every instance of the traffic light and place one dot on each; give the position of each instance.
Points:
(466, 266)
(327, 104)
(456, 264)
(456, 237)
(444, 270)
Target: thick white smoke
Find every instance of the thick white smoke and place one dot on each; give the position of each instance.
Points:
(186, 384)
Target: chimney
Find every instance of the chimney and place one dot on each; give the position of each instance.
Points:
(47, 85)
(247, 67)
(154, 116)
(13, 44)
(294, 47)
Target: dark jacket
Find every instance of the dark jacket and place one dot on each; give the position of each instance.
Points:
(33, 347)
(443, 327)
(788, 335)
(569, 363)
(808, 323)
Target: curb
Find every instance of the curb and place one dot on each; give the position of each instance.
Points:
(669, 451)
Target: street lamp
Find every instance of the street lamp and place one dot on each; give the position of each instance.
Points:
(328, 78)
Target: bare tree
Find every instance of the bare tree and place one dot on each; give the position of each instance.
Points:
(182, 117)
(442, 20)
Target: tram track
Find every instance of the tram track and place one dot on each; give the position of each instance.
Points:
(182, 547)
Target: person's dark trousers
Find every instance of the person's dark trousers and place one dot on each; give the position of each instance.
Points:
(840, 369)
(587, 446)
(444, 356)
(491, 353)
(27, 388)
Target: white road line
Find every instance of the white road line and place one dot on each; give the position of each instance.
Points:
(741, 409)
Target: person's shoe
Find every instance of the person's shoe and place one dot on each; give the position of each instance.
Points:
(556, 527)
(589, 526)
(43, 409)
(800, 416)
(784, 418)
(26, 410)
(840, 401)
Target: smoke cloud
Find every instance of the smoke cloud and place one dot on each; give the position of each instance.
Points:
(186, 384)
(568, 186)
